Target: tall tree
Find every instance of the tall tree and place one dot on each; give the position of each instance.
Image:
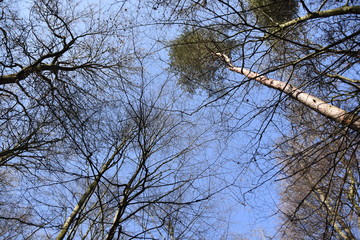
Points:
(182, 61)
(139, 186)
(93, 146)
(86, 151)
(308, 54)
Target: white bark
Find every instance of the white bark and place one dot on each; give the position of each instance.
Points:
(330, 111)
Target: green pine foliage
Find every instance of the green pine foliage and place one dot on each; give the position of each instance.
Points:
(193, 59)
(273, 12)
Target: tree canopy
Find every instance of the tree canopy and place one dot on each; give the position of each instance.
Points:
(193, 58)
(273, 12)
(100, 138)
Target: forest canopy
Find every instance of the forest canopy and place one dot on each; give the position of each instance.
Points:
(100, 138)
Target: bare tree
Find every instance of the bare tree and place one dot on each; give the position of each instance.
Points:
(300, 59)
(89, 155)
(320, 169)
(89, 151)
(56, 57)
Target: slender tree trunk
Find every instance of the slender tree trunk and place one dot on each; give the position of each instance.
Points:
(330, 111)
(86, 196)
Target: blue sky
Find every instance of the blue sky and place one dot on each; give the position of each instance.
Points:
(236, 134)
(250, 215)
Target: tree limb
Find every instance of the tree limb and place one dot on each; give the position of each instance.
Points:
(330, 111)
(322, 14)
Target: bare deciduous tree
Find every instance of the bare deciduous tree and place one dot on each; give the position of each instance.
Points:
(85, 152)
(91, 149)
(319, 194)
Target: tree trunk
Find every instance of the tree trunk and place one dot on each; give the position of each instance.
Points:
(330, 111)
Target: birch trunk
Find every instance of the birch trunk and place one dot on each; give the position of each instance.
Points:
(330, 111)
